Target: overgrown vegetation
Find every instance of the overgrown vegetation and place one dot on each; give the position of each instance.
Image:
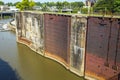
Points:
(101, 6)
(25, 5)
(107, 6)
(75, 6)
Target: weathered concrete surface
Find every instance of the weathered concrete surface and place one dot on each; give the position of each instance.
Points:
(88, 46)
(30, 27)
(50, 35)
(78, 35)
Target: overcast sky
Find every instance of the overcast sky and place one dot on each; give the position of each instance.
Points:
(13, 1)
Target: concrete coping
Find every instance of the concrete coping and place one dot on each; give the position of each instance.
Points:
(73, 14)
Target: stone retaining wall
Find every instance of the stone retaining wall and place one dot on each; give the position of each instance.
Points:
(87, 46)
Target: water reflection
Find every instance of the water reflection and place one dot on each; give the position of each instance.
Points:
(8, 56)
(6, 72)
(24, 64)
(28, 64)
(35, 67)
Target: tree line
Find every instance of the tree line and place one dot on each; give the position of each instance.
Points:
(76, 6)
(107, 6)
(104, 6)
(28, 4)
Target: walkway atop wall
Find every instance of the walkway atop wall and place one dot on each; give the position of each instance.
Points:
(73, 14)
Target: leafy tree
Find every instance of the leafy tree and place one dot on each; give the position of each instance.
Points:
(77, 5)
(84, 10)
(117, 6)
(31, 4)
(44, 7)
(59, 5)
(38, 4)
(66, 4)
(20, 6)
(111, 6)
(10, 4)
(50, 4)
(1, 3)
(16, 3)
(25, 5)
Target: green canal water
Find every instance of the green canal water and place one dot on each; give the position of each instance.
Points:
(25, 64)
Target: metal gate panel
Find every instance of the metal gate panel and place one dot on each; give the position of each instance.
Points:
(102, 51)
(57, 35)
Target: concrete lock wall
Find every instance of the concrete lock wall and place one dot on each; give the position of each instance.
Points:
(50, 35)
(18, 25)
(87, 46)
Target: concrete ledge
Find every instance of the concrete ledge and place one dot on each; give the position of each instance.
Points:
(29, 45)
(57, 59)
(93, 76)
